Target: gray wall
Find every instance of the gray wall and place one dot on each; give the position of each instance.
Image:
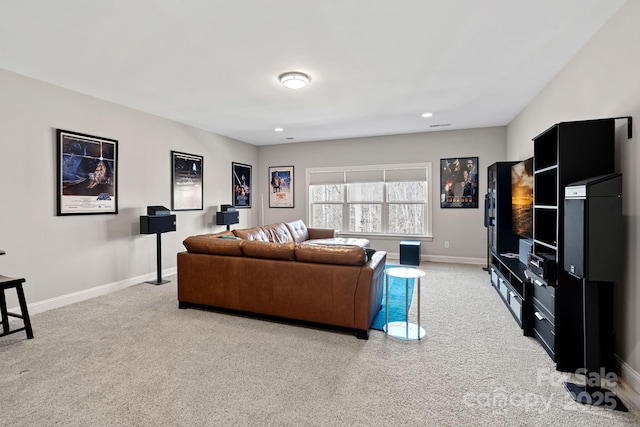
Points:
(69, 255)
(602, 81)
(462, 228)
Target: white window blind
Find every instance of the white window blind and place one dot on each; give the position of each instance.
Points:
(385, 199)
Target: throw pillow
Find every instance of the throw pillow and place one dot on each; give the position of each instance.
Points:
(370, 252)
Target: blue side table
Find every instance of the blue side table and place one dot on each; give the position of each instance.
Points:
(410, 252)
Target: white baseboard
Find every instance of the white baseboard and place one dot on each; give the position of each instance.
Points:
(61, 301)
(442, 258)
(455, 259)
(630, 376)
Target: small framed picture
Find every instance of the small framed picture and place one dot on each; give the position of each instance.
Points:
(281, 181)
(87, 174)
(186, 181)
(459, 182)
(241, 187)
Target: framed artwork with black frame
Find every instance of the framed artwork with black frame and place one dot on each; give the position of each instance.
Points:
(87, 174)
(241, 185)
(459, 182)
(281, 181)
(187, 173)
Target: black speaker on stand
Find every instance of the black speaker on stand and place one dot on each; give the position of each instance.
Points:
(157, 222)
(228, 216)
(593, 253)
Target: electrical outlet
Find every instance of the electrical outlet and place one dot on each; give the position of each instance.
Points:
(446, 245)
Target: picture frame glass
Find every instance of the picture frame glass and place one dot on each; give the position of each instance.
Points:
(281, 185)
(187, 179)
(459, 182)
(87, 174)
(241, 185)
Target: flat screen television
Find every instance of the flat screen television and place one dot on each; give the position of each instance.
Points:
(522, 198)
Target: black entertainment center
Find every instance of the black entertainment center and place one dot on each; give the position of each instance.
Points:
(546, 290)
(505, 268)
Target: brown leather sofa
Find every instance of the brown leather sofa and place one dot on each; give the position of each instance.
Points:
(287, 271)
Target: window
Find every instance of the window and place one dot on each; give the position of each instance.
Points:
(389, 199)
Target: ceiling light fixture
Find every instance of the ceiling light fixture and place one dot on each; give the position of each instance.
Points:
(427, 115)
(294, 79)
(278, 129)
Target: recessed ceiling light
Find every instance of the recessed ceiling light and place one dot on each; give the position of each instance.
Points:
(427, 114)
(294, 79)
(278, 129)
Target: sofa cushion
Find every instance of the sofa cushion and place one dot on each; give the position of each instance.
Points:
(211, 244)
(270, 250)
(254, 233)
(348, 241)
(278, 233)
(331, 254)
(298, 230)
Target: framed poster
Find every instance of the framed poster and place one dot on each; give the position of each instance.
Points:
(241, 178)
(281, 183)
(459, 182)
(186, 181)
(87, 174)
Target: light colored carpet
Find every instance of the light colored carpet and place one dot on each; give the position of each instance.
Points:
(133, 358)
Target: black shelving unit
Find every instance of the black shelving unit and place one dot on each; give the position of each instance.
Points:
(565, 153)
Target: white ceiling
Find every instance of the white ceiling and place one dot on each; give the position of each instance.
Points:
(376, 65)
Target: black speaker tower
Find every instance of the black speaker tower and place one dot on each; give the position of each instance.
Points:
(593, 253)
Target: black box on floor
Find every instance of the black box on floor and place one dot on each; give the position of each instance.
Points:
(410, 252)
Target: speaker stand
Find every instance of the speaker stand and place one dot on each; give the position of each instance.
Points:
(159, 280)
(591, 394)
(595, 396)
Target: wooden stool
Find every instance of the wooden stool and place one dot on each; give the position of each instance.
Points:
(8, 283)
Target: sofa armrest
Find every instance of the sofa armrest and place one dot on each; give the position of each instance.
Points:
(368, 298)
(321, 233)
(378, 258)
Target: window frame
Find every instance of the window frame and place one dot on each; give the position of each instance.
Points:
(340, 175)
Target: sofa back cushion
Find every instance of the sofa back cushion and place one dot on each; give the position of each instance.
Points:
(216, 244)
(332, 254)
(269, 250)
(254, 233)
(298, 230)
(278, 233)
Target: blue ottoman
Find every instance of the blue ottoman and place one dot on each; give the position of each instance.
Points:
(410, 252)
